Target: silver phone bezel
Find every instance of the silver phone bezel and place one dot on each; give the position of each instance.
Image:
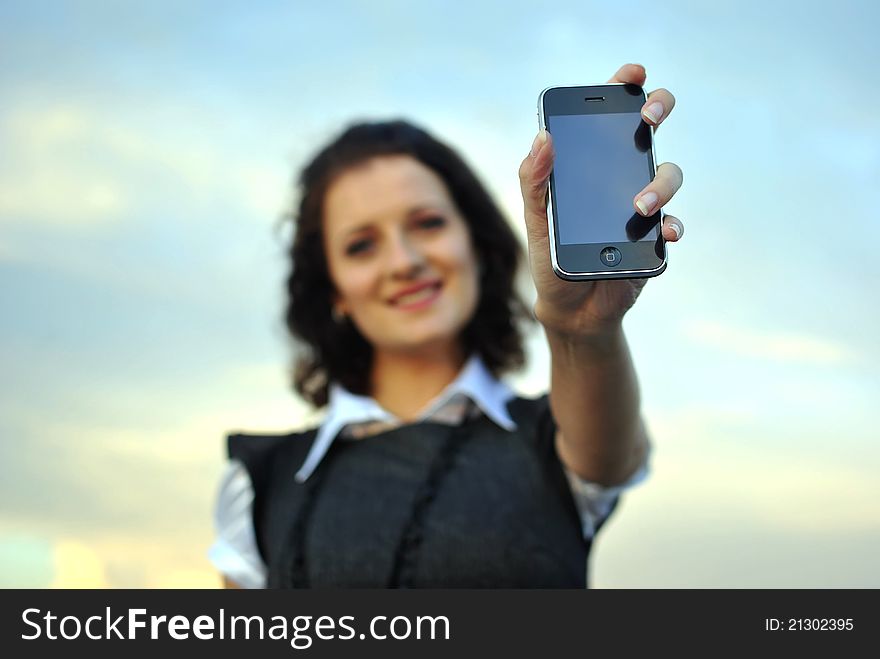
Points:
(594, 274)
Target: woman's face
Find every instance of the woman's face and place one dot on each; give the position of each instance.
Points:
(400, 255)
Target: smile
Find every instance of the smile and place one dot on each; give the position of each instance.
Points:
(417, 299)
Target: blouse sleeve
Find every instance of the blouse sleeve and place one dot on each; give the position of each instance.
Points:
(234, 552)
(596, 502)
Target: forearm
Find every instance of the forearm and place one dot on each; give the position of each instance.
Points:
(594, 396)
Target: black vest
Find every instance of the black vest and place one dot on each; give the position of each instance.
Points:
(423, 505)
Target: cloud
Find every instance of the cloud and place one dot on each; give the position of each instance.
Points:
(730, 503)
(57, 177)
(773, 346)
(728, 460)
(129, 490)
(85, 167)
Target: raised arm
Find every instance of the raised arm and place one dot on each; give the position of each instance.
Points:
(594, 390)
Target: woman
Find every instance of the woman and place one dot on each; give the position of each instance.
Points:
(427, 470)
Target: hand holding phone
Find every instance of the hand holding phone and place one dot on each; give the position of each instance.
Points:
(619, 160)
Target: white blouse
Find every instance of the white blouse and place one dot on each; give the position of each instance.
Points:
(351, 417)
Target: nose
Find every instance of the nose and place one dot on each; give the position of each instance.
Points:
(405, 258)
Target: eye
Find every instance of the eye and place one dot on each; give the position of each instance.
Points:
(358, 247)
(431, 222)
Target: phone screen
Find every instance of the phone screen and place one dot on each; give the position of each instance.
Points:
(602, 162)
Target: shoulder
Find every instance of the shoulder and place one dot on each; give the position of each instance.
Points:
(530, 412)
(254, 450)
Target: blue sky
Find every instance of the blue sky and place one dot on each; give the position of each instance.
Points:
(148, 150)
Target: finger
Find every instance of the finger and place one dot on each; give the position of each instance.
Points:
(534, 177)
(658, 106)
(631, 73)
(673, 229)
(659, 191)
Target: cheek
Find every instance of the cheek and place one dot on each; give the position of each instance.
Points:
(355, 283)
(462, 260)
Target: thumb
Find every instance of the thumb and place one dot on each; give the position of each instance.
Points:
(534, 178)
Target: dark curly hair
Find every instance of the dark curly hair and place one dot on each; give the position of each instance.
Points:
(337, 351)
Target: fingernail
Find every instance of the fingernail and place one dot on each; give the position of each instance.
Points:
(538, 143)
(676, 228)
(646, 202)
(654, 112)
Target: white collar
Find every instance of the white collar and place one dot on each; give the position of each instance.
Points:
(344, 408)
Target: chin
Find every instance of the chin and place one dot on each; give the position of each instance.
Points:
(429, 342)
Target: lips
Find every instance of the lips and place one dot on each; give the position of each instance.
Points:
(415, 294)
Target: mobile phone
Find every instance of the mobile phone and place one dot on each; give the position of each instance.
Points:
(604, 157)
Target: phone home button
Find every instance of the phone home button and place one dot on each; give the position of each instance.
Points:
(610, 256)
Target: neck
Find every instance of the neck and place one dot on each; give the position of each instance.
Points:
(404, 383)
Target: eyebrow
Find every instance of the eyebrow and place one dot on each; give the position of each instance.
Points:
(414, 210)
